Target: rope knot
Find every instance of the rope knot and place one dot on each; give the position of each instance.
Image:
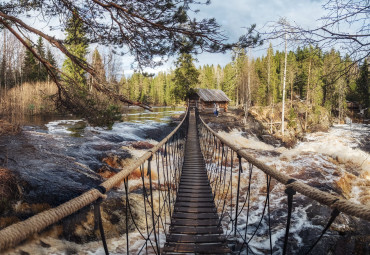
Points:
(102, 190)
(289, 190)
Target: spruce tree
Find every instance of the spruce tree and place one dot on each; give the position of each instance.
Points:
(30, 67)
(97, 64)
(76, 42)
(51, 59)
(41, 71)
(363, 85)
(186, 77)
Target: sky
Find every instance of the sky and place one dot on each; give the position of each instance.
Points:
(235, 16)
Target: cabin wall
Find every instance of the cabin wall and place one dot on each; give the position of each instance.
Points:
(209, 106)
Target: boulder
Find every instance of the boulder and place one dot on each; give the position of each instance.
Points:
(80, 226)
(142, 145)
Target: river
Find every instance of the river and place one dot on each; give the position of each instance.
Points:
(60, 158)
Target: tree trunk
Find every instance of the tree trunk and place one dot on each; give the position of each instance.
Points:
(308, 95)
(283, 110)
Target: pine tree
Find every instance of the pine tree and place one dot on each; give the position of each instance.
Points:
(363, 85)
(2, 71)
(272, 77)
(292, 69)
(186, 77)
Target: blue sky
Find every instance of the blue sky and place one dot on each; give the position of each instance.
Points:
(235, 15)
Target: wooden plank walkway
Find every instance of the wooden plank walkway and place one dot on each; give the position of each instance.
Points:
(194, 225)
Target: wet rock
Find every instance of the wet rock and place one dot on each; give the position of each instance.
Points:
(9, 190)
(269, 153)
(352, 244)
(25, 210)
(318, 214)
(116, 159)
(345, 236)
(102, 147)
(141, 145)
(290, 141)
(46, 173)
(77, 128)
(7, 221)
(80, 227)
(114, 138)
(159, 132)
(269, 139)
(345, 184)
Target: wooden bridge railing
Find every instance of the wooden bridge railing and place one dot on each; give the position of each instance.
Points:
(256, 206)
(150, 182)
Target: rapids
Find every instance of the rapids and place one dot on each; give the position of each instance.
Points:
(60, 159)
(337, 161)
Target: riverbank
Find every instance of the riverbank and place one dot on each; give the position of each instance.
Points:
(265, 122)
(333, 159)
(7, 128)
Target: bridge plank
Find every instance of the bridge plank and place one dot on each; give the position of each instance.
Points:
(196, 230)
(194, 199)
(194, 224)
(200, 248)
(196, 204)
(176, 238)
(195, 209)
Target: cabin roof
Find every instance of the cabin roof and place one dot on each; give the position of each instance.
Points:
(212, 95)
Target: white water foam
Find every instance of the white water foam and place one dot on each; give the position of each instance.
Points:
(61, 126)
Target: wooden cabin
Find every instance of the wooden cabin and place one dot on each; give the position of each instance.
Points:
(206, 98)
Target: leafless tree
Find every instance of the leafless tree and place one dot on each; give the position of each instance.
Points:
(147, 30)
(345, 26)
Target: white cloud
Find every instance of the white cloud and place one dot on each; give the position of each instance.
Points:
(235, 16)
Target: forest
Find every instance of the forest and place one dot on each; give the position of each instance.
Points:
(318, 78)
(35, 79)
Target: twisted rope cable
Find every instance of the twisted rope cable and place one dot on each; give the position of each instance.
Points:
(345, 206)
(14, 234)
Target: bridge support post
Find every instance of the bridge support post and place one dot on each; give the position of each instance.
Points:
(290, 192)
(152, 204)
(237, 195)
(98, 222)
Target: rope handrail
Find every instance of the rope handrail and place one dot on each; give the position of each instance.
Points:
(335, 202)
(111, 182)
(18, 232)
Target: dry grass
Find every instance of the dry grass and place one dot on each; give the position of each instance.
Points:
(28, 99)
(7, 128)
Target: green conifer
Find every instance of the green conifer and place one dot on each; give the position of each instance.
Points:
(186, 77)
(76, 42)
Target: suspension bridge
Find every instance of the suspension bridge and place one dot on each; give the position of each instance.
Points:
(199, 194)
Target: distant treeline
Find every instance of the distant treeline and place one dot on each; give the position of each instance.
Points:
(320, 78)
